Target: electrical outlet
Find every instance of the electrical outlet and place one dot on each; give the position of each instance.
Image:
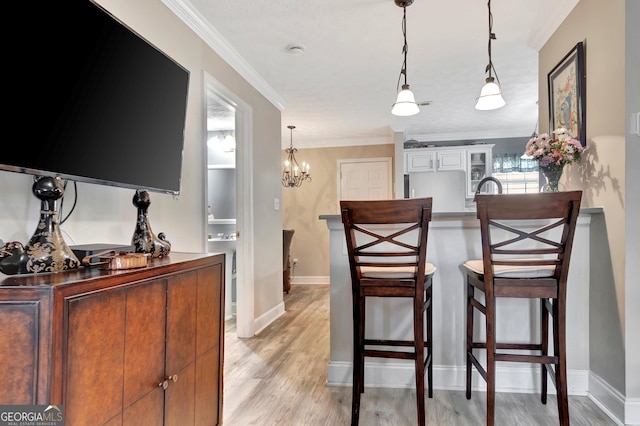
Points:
(276, 204)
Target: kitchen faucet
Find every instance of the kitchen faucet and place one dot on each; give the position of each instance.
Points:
(485, 180)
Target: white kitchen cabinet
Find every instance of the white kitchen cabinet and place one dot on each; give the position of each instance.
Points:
(451, 159)
(421, 161)
(476, 161)
(432, 160)
(479, 166)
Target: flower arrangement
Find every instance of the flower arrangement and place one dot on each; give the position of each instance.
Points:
(553, 154)
(557, 151)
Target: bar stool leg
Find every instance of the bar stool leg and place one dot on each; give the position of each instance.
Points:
(358, 361)
(470, 292)
(491, 360)
(544, 341)
(363, 312)
(559, 347)
(418, 343)
(430, 341)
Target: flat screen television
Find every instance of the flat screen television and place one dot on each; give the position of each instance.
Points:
(92, 101)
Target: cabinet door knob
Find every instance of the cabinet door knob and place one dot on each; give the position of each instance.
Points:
(173, 378)
(164, 384)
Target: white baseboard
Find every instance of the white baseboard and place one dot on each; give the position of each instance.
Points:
(230, 315)
(268, 317)
(608, 399)
(310, 280)
(402, 375)
(632, 411)
(508, 379)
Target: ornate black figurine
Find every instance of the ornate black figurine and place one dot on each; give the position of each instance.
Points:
(144, 240)
(13, 258)
(46, 251)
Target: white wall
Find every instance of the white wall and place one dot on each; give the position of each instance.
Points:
(106, 214)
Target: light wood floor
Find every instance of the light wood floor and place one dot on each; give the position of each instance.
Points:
(278, 378)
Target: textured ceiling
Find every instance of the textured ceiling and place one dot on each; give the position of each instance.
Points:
(339, 91)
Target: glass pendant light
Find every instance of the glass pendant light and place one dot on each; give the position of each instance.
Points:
(405, 104)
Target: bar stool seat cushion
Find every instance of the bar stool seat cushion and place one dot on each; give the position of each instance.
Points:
(399, 272)
(512, 271)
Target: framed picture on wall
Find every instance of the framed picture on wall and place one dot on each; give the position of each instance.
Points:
(567, 97)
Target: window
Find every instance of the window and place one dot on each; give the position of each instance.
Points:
(517, 175)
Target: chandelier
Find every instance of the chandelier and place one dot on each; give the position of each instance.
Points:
(491, 94)
(292, 174)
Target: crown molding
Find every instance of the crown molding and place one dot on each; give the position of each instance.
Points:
(185, 11)
(557, 16)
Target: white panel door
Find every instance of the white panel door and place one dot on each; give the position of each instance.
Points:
(364, 179)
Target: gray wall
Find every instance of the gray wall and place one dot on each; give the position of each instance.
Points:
(632, 105)
(502, 145)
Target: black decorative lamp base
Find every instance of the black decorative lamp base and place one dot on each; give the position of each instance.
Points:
(46, 251)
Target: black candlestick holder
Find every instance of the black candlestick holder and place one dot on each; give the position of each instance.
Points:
(144, 240)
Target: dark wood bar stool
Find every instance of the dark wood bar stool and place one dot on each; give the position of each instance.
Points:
(521, 259)
(387, 248)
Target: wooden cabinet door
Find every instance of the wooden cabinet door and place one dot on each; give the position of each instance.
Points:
(194, 327)
(92, 372)
(115, 359)
(209, 345)
(19, 351)
(143, 398)
(181, 348)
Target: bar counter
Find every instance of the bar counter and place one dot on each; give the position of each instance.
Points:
(454, 238)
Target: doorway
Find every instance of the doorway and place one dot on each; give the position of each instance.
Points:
(228, 189)
(221, 192)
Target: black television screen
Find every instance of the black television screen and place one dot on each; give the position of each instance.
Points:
(92, 101)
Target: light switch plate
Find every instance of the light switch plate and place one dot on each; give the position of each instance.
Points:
(276, 204)
(634, 124)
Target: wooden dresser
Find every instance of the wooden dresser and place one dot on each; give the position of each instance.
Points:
(130, 347)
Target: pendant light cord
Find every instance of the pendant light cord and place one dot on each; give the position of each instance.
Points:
(405, 48)
(492, 36)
